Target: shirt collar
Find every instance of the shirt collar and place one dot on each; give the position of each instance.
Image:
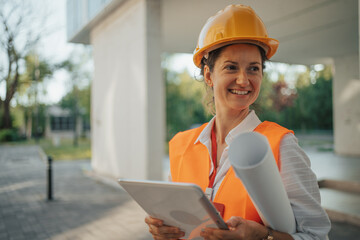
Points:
(247, 125)
(205, 134)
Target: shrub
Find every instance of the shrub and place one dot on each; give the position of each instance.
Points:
(8, 135)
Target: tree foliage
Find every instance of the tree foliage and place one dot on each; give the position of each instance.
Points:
(184, 107)
(77, 100)
(306, 106)
(37, 70)
(17, 38)
(313, 107)
(79, 97)
(32, 83)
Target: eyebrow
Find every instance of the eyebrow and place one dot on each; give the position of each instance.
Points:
(252, 63)
(228, 61)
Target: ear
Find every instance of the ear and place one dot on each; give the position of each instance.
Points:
(207, 76)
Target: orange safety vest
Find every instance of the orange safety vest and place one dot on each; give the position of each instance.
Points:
(190, 163)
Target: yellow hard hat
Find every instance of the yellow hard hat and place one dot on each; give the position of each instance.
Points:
(234, 24)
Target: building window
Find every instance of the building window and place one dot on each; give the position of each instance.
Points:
(62, 123)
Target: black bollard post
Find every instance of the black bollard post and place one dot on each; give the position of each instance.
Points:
(49, 179)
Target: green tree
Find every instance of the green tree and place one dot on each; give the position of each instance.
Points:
(78, 98)
(264, 104)
(307, 107)
(81, 98)
(314, 102)
(31, 83)
(19, 33)
(184, 107)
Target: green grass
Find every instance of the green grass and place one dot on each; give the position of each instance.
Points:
(321, 145)
(325, 149)
(65, 151)
(304, 143)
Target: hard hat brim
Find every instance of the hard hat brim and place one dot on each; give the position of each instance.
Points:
(270, 46)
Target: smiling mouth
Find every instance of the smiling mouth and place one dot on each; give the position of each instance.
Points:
(238, 92)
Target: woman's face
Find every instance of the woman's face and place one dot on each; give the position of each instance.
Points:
(236, 77)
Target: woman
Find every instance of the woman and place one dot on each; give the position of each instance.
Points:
(232, 48)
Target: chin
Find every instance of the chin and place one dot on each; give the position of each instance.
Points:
(240, 108)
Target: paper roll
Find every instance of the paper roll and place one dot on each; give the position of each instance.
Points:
(253, 161)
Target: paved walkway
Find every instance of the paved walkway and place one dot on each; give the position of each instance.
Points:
(84, 208)
(342, 200)
(346, 171)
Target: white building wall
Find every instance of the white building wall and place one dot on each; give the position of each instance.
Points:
(127, 93)
(346, 103)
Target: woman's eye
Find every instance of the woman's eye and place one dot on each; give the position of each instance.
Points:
(230, 67)
(254, 68)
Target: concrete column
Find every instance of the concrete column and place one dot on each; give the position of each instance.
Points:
(128, 109)
(346, 103)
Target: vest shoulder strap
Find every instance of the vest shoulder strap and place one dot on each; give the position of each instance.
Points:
(187, 137)
(274, 133)
(180, 144)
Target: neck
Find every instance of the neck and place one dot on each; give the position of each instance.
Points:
(227, 121)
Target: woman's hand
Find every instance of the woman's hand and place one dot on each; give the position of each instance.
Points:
(160, 231)
(239, 229)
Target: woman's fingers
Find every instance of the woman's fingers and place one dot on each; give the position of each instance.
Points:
(165, 230)
(165, 234)
(207, 234)
(218, 234)
(161, 231)
(234, 222)
(153, 221)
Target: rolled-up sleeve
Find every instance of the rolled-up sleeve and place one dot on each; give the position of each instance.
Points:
(301, 185)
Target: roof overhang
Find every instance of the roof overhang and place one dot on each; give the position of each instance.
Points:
(309, 31)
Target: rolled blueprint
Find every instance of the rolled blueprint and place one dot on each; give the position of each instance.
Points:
(253, 161)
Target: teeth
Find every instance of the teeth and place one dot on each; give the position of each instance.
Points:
(239, 92)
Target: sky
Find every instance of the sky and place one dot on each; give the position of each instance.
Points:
(54, 47)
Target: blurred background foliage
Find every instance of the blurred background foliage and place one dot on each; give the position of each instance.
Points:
(25, 74)
(303, 105)
(184, 102)
(306, 106)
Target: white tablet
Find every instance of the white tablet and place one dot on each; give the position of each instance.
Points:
(182, 205)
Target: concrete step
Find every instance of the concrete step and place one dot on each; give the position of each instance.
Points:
(341, 199)
(341, 185)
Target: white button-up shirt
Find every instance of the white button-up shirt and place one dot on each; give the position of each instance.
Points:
(299, 180)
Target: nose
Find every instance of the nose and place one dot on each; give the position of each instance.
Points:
(242, 78)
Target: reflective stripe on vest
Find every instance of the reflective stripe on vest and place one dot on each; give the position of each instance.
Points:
(190, 163)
